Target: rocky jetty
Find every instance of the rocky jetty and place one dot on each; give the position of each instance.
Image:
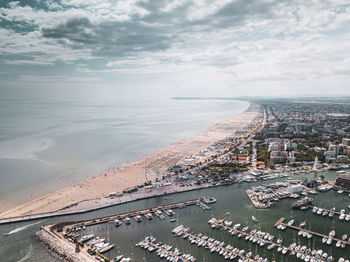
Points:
(59, 248)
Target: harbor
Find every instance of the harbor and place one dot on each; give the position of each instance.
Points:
(196, 218)
(73, 234)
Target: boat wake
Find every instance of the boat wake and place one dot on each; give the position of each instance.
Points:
(29, 254)
(19, 229)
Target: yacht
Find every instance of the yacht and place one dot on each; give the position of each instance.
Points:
(107, 248)
(87, 238)
(117, 222)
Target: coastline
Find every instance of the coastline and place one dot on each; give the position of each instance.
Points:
(133, 173)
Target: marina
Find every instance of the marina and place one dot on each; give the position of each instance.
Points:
(331, 236)
(265, 239)
(212, 245)
(330, 213)
(73, 233)
(164, 251)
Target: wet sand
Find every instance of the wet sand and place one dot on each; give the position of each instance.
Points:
(133, 173)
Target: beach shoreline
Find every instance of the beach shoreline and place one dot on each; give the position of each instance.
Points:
(137, 172)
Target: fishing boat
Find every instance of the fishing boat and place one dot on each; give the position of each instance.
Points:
(255, 219)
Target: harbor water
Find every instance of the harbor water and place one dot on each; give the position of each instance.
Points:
(19, 245)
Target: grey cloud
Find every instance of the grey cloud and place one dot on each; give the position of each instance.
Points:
(154, 32)
(109, 38)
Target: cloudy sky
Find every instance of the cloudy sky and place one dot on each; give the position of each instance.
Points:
(176, 48)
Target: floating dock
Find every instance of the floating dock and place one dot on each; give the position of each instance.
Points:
(289, 248)
(219, 246)
(324, 209)
(347, 243)
(164, 250)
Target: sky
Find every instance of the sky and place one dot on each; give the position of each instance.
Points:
(161, 48)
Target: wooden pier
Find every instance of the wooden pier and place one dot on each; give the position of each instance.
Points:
(280, 221)
(347, 243)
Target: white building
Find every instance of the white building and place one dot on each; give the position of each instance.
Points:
(295, 189)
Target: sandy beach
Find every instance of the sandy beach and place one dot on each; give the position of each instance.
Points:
(133, 173)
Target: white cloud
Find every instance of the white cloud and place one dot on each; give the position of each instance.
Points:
(240, 42)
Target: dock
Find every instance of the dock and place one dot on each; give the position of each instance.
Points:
(255, 201)
(280, 221)
(347, 243)
(260, 238)
(141, 212)
(162, 250)
(218, 246)
(324, 209)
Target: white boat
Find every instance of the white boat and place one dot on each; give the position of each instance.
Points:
(255, 219)
(291, 222)
(118, 258)
(107, 248)
(87, 238)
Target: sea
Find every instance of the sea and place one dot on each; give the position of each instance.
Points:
(48, 144)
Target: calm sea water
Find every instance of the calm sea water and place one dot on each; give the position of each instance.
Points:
(20, 245)
(48, 145)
